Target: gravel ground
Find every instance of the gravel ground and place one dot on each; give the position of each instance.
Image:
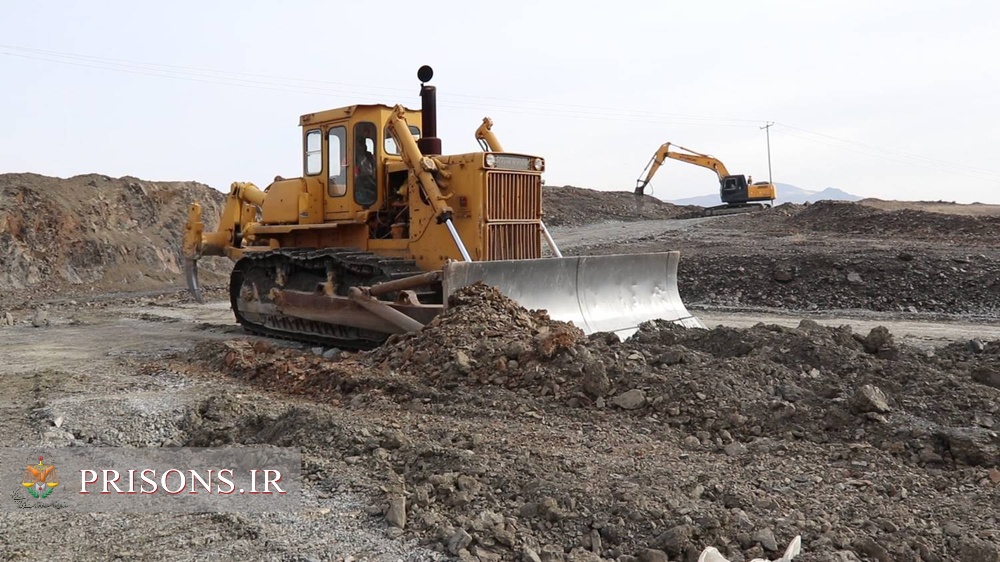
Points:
(497, 434)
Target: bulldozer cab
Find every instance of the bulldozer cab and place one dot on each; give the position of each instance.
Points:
(348, 155)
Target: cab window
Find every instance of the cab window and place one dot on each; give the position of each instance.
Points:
(365, 164)
(337, 158)
(314, 152)
(390, 143)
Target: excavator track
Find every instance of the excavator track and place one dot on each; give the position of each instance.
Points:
(303, 269)
(734, 209)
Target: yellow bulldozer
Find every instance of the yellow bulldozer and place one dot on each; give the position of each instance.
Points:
(382, 228)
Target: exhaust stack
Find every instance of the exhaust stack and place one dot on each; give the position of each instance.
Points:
(428, 142)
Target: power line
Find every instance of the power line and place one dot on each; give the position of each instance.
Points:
(184, 69)
(468, 102)
(277, 86)
(930, 165)
(900, 153)
(144, 67)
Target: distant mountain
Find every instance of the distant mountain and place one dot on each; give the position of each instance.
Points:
(787, 193)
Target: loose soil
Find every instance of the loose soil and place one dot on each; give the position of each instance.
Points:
(841, 393)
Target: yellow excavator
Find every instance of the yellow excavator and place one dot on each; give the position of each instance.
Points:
(382, 228)
(739, 193)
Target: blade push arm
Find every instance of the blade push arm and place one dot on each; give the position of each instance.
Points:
(425, 168)
(430, 173)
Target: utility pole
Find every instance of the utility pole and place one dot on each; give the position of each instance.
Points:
(767, 129)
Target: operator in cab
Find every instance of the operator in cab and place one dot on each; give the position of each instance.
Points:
(365, 182)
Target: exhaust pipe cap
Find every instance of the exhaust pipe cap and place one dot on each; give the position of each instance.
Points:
(425, 73)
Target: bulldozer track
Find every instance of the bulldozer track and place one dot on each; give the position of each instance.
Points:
(303, 269)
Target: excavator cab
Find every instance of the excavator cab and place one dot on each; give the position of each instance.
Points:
(737, 190)
(733, 189)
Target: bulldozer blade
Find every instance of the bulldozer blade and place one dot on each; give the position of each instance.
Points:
(612, 293)
(191, 275)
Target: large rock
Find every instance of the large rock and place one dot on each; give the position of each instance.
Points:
(974, 446)
(879, 339)
(988, 375)
(980, 551)
(595, 378)
(458, 541)
(869, 398)
(630, 400)
(396, 516)
(675, 540)
(40, 319)
(653, 555)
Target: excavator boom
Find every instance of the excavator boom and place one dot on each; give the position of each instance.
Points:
(689, 156)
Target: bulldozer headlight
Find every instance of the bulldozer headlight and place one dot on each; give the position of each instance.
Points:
(490, 161)
(538, 164)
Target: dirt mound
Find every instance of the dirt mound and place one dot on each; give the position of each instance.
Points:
(875, 221)
(490, 340)
(575, 206)
(852, 218)
(521, 438)
(891, 281)
(97, 232)
(946, 207)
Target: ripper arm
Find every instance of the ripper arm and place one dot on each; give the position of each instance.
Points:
(241, 207)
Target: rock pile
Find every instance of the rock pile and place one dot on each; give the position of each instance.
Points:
(509, 436)
(486, 338)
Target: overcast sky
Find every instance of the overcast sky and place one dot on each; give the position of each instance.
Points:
(897, 100)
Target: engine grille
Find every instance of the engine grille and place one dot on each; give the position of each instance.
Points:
(513, 241)
(512, 196)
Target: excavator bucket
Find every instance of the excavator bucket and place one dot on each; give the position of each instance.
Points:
(612, 293)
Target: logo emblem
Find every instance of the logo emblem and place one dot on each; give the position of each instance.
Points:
(40, 479)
